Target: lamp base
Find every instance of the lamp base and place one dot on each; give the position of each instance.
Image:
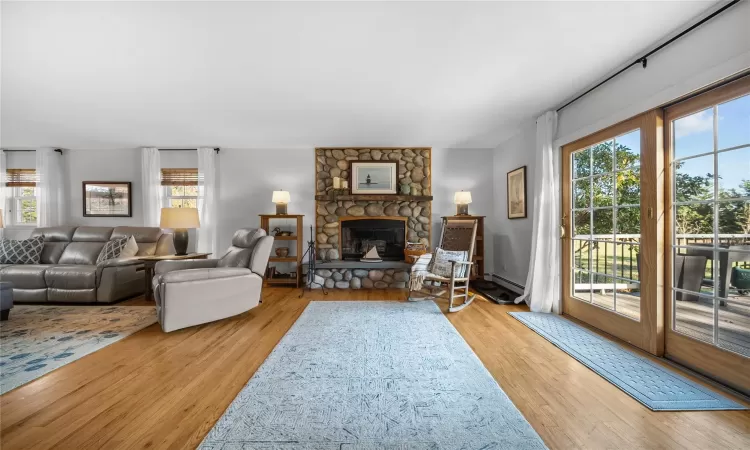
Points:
(280, 209)
(462, 210)
(180, 241)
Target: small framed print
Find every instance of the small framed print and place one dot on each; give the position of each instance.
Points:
(107, 199)
(373, 177)
(517, 193)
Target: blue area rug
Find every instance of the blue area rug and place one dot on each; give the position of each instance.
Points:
(38, 339)
(372, 375)
(657, 387)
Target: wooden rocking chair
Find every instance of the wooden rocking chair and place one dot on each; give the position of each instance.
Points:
(457, 235)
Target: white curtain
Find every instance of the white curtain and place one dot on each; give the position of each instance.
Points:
(207, 201)
(50, 188)
(542, 291)
(151, 181)
(3, 202)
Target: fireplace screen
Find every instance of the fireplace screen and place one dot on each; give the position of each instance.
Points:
(387, 235)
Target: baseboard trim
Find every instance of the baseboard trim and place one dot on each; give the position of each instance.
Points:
(508, 284)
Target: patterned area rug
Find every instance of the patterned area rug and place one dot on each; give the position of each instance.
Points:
(372, 375)
(38, 339)
(656, 387)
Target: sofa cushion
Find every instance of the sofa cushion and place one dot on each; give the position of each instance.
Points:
(92, 234)
(28, 276)
(27, 251)
(71, 277)
(55, 234)
(141, 234)
(55, 241)
(81, 253)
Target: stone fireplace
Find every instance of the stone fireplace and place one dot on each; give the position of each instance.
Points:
(359, 234)
(346, 223)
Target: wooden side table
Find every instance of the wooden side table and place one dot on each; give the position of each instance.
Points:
(149, 262)
(296, 258)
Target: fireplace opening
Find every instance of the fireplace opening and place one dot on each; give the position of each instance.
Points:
(359, 235)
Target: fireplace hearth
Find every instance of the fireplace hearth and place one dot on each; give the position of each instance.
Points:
(359, 234)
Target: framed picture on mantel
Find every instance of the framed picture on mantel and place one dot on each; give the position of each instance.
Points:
(107, 199)
(373, 177)
(517, 193)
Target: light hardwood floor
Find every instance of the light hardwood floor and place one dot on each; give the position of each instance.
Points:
(165, 391)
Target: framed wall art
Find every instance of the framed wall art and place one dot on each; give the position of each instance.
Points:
(373, 177)
(107, 199)
(517, 193)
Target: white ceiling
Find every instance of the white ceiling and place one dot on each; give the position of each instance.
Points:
(285, 75)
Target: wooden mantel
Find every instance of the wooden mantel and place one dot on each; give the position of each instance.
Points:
(375, 198)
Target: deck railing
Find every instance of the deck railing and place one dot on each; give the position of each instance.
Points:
(627, 247)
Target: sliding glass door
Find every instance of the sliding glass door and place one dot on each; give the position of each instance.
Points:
(708, 297)
(611, 233)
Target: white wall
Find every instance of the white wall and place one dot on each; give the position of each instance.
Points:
(247, 178)
(512, 237)
(716, 50)
(469, 170)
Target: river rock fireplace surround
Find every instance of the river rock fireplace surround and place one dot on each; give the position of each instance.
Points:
(344, 221)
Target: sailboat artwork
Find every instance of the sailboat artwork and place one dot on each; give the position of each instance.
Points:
(370, 177)
(372, 255)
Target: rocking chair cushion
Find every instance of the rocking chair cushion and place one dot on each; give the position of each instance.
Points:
(441, 263)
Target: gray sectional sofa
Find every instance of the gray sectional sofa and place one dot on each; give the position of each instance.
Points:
(68, 272)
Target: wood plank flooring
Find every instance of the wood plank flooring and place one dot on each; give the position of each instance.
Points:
(165, 391)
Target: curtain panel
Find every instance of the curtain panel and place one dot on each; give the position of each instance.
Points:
(50, 188)
(542, 291)
(207, 201)
(151, 182)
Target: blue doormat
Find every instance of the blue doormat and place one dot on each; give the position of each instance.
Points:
(658, 388)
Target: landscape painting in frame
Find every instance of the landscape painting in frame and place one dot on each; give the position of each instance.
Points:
(107, 199)
(517, 193)
(374, 177)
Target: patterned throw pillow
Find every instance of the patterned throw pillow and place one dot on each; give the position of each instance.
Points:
(28, 251)
(441, 263)
(113, 249)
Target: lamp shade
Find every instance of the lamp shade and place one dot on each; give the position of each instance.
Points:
(462, 198)
(1, 218)
(179, 218)
(281, 197)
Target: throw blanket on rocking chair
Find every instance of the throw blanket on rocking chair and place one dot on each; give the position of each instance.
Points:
(439, 266)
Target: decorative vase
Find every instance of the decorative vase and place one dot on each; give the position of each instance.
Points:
(282, 252)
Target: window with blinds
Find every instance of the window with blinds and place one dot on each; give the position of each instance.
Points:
(181, 188)
(179, 177)
(20, 178)
(22, 184)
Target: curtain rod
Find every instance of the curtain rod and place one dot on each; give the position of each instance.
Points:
(643, 60)
(58, 150)
(184, 149)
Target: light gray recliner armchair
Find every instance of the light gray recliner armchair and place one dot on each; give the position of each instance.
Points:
(192, 292)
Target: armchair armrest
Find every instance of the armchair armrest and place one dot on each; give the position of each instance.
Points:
(468, 263)
(163, 267)
(116, 263)
(119, 262)
(181, 276)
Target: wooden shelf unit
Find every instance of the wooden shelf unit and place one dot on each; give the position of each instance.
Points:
(478, 259)
(265, 223)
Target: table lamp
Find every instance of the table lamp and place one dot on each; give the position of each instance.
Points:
(281, 198)
(180, 219)
(462, 200)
